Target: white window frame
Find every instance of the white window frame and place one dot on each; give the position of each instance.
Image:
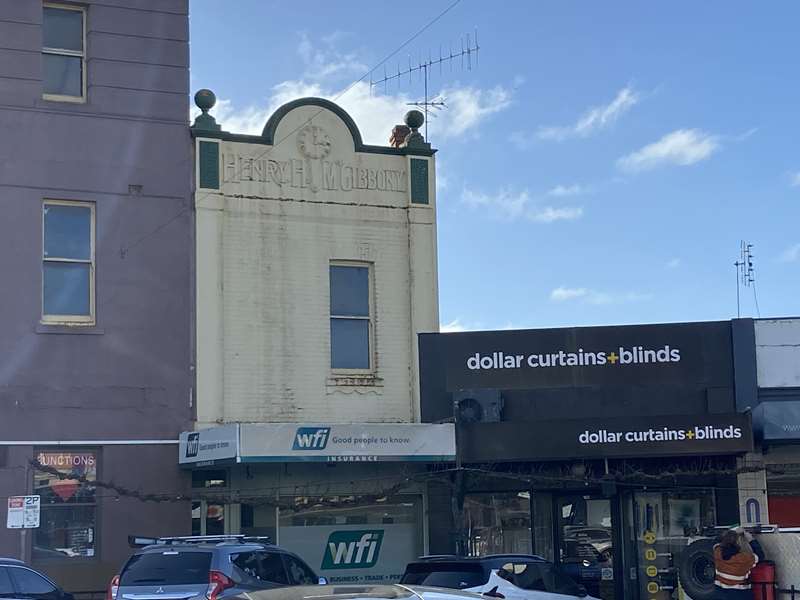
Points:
(73, 53)
(71, 319)
(370, 319)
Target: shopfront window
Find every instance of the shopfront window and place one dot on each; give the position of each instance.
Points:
(69, 511)
(259, 520)
(208, 517)
(498, 523)
(659, 527)
(586, 551)
(370, 543)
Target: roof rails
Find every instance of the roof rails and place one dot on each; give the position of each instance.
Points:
(137, 541)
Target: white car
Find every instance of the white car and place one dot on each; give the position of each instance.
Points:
(509, 577)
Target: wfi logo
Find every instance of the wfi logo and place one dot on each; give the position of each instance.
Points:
(311, 438)
(192, 444)
(353, 549)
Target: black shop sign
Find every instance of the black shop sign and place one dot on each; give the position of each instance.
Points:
(629, 437)
(685, 353)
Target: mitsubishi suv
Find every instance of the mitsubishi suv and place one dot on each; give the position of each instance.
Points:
(207, 567)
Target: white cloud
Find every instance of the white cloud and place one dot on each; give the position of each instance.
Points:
(673, 263)
(791, 254)
(594, 119)
(324, 62)
(468, 106)
(453, 326)
(567, 190)
(374, 113)
(510, 205)
(682, 147)
(565, 294)
(795, 179)
(560, 294)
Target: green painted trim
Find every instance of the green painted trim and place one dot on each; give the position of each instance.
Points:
(268, 135)
(208, 164)
(341, 459)
(419, 181)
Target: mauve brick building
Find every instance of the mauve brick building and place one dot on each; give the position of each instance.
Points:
(96, 375)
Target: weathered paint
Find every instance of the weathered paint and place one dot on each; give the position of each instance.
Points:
(264, 245)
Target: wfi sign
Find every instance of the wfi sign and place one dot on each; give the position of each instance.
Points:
(352, 549)
(311, 438)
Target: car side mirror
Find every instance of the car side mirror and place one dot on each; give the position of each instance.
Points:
(582, 593)
(323, 581)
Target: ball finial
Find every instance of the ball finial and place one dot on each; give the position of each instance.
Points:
(205, 100)
(414, 119)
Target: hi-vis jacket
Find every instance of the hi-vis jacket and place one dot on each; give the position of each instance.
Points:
(733, 572)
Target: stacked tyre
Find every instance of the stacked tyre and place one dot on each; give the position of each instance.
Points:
(696, 570)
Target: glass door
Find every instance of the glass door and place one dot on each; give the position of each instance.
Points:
(659, 525)
(585, 544)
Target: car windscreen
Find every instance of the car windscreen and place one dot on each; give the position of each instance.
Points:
(167, 568)
(457, 576)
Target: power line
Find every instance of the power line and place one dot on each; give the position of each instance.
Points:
(125, 249)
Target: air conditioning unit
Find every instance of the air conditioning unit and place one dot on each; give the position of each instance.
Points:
(478, 406)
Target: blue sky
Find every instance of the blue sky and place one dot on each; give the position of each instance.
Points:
(600, 164)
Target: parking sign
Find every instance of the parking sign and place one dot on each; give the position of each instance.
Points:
(23, 512)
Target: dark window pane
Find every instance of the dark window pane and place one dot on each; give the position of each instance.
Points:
(167, 568)
(67, 232)
(263, 566)
(30, 583)
(350, 291)
(5, 583)
(66, 288)
(447, 575)
(299, 572)
(62, 29)
(349, 344)
(67, 529)
(271, 568)
(529, 577)
(62, 75)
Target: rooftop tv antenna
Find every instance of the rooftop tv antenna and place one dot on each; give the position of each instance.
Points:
(745, 275)
(467, 55)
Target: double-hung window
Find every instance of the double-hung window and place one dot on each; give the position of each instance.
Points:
(351, 317)
(68, 262)
(64, 53)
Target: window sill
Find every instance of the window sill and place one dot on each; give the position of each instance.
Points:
(354, 380)
(79, 329)
(69, 99)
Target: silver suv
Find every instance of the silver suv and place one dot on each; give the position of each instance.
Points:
(207, 567)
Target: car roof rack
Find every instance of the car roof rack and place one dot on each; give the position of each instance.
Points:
(138, 541)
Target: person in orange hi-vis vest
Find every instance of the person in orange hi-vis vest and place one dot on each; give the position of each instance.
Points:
(735, 555)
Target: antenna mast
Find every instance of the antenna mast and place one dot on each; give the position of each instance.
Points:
(745, 273)
(468, 54)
